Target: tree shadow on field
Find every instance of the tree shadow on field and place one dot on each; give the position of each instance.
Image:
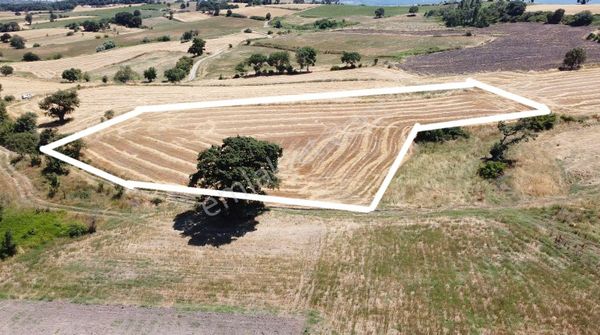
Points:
(214, 231)
(55, 123)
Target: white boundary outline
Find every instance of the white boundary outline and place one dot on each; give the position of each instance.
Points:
(538, 109)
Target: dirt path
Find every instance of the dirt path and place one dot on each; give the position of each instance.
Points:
(40, 317)
(220, 45)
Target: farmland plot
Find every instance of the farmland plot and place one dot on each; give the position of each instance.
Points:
(333, 150)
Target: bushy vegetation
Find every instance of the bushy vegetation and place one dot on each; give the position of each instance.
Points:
(522, 130)
(6, 70)
(188, 35)
(125, 74)
(17, 42)
(72, 75)
(28, 229)
(107, 45)
(30, 57)
(181, 70)
(128, 19)
(574, 58)
(9, 27)
(20, 135)
(279, 61)
(441, 135)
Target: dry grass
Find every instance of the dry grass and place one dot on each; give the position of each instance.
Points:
(262, 11)
(191, 16)
(569, 9)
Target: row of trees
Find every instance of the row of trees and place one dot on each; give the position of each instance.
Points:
(473, 13)
(280, 61)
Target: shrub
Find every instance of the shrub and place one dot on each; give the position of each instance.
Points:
(336, 68)
(164, 38)
(17, 42)
(350, 58)
(413, 9)
(379, 12)
(72, 75)
(441, 135)
(36, 45)
(492, 169)
(258, 18)
(150, 74)
(175, 75)
(247, 30)
(76, 230)
(584, 18)
(125, 74)
(540, 123)
(9, 98)
(109, 114)
(188, 35)
(8, 247)
(30, 57)
(556, 17)
(107, 45)
(573, 59)
(6, 70)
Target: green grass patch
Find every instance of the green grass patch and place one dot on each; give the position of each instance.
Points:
(34, 228)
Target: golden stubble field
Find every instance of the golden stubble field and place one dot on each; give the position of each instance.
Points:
(336, 150)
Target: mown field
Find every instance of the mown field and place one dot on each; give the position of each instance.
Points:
(446, 252)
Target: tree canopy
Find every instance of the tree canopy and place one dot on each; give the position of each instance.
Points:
(60, 103)
(240, 164)
(306, 57)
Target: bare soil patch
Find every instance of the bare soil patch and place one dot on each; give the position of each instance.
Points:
(518, 47)
(42, 317)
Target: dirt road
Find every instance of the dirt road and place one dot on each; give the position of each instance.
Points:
(40, 317)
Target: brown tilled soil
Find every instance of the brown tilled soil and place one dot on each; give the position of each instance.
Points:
(518, 47)
(39, 317)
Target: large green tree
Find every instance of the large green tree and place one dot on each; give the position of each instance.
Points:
(240, 164)
(350, 58)
(280, 60)
(197, 47)
(306, 57)
(60, 103)
(257, 61)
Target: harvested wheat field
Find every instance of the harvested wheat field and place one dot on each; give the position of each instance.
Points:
(191, 16)
(333, 150)
(53, 68)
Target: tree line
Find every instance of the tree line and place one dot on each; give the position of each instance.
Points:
(280, 62)
(474, 14)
